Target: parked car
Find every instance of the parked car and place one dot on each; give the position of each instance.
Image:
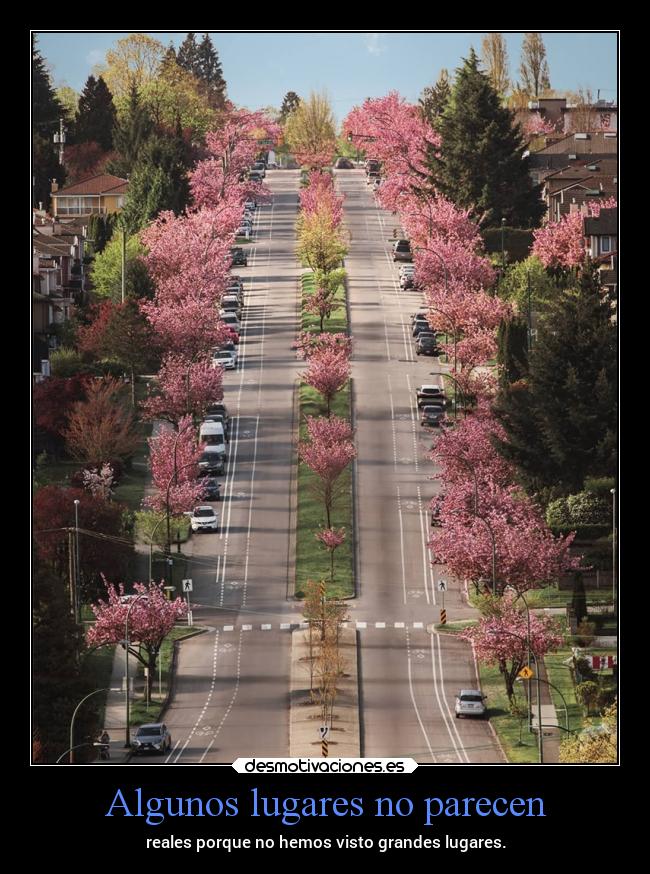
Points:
(432, 415)
(218, 407)
(259, 167)
(402, 251)
(212, 433)
(151, 738)
(470, 702)
(255, 176)
(427, 345)
(231, 321)
(231, 304)
(429, 394)
(233, 336)
(239, 257)
(204, 518)
(250, 204)
(224, 358)
(415, 316)
(219, 417)
(211, 488)
(407, 280)
(344, 164)
(212, 462)
(245, 231)
(372, 166)
(373, 178)
(421, 326)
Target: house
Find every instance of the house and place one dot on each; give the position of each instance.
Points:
(601, 236)
(568, 118)
(58, 281)
(578, 184)
(97, 195)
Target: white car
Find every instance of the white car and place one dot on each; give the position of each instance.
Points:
(244, 231)
(250, 205)
(204, 518)
(470, 702)
(231, 320)
(224, 358)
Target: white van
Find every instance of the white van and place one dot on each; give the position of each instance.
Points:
(212, 434)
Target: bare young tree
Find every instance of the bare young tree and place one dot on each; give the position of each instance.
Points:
(494, 54)
(534, 67)
(583, 116)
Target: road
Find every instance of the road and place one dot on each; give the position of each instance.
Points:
(409, 677)
(231, 694)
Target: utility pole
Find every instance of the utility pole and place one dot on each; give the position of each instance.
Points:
(59, 140)
(123, 263)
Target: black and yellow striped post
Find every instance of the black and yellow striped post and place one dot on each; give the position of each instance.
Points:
(443, 617)
(324, 745)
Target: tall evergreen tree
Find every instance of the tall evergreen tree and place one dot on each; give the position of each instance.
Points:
(561, 423)
(434, 98)
(210, 73)
(513, 351)
(46, 111)
(290, 103)
(130, 135)
(480, 165)
(96, 114)
(158, 181)
(188, 55)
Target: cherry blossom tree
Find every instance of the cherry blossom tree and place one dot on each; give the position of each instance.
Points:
(331, 538)
(328, 371)
(322, 303)
(189, 326)
(501, 637)
(320, 195)
(562, 244)
(184, 387)
(99, 481)
(174, 469)
(327, 453)
(308, 344)
(150, 621)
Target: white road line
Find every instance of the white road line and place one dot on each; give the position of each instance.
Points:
(413, 701)
(380, 625)
(426, 564)
(361, 625)
(250, 513)
(439, 689)
(215, 651)
(401, 544)
(230, 704)
(452, 716)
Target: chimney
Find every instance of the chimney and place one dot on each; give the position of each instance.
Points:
(55, 186)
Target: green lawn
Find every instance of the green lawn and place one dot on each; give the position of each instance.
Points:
(508, 728)
(96, 670)
(559, 674)
(550, 596)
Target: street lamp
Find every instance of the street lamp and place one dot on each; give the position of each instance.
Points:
(74, 716)
(76, 551)
(503, 251)
(127, 739)
(87, 743)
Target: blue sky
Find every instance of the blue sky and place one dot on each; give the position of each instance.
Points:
(261, 67)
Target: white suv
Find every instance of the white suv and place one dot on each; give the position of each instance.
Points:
(470, 702)
(204, 518)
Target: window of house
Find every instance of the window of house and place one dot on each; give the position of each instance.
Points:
(605, 244)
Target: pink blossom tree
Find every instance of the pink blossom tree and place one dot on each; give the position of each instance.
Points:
(562, 244)
(308, 344)
(99, 481)
(328, 371)
(501, 637)
(184, 387)
(327, 453)
(331, 538)
(174, 468)
(151, 619)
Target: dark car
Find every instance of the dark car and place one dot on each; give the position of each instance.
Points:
(416, 316)
(421, 326)
(211, 488)
(218, 409)
(427, 345)
(432, 415)
(372, 166)
(344, 164)
(239, 257)
(212, 462)
(153, 738)
(402, 251)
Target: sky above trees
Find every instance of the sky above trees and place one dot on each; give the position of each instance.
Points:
(260, 68)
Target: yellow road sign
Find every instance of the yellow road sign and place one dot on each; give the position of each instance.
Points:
(525, 673)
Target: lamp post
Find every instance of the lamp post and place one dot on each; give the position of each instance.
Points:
(127, 736)
(87, 743)
(74, 716)
(530, 315)
(613, 494)
(162, 519)
(503, 250)
(76, 559)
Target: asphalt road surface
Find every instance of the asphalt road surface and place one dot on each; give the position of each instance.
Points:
(409, 677)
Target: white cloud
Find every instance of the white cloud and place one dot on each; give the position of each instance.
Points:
(373, 46)
(95, 56)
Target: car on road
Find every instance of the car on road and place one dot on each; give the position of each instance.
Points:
(231, 303)
(218, 408)
(224, 358)
(372, 166)
(421, 326)
(213, 435)
(429, 394)
(211, 488)
(470, 702)
(407, 280)
(204, 518)
(250, 204)
(344, 164)
(402, 251)
(239, 257)
(219, 417)
(245, 231)
(255, 176)
(151, 738)
(259, 167)
(212, 462)
(231, 321)
(432, 415)
(427, 344)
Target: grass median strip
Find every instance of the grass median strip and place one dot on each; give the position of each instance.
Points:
(312, 560)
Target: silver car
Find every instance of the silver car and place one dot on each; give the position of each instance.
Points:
(152, 738)
(470, 702)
